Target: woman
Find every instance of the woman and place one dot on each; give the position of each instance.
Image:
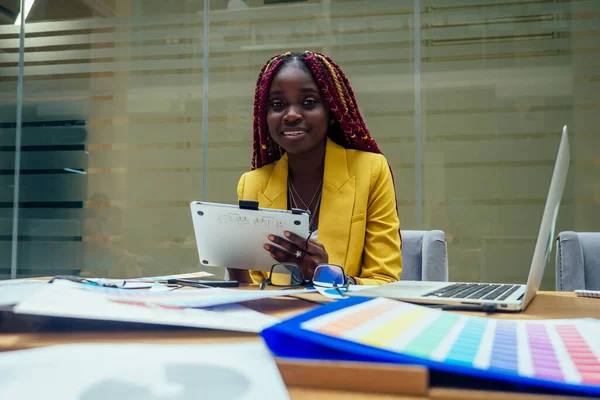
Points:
(312, 150)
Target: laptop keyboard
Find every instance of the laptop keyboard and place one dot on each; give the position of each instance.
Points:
(482, 291)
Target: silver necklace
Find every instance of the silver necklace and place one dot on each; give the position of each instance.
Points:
(293, 193)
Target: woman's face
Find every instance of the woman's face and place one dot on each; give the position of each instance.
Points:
(297, 115)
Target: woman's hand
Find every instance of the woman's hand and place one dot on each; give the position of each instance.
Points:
(306, 253)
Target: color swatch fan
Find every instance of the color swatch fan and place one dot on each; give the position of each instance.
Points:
(562, 355)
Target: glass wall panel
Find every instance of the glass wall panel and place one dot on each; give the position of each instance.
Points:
(112, 136)
(9, 60)
(499, 80)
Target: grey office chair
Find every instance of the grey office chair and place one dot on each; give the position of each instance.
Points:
(424, 256)
(578, 261)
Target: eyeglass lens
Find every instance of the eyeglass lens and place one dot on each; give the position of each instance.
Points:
(286, 275)
(328, 275)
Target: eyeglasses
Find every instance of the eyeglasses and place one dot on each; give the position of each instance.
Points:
(325, 276)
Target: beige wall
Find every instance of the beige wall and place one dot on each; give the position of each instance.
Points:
(497, 83)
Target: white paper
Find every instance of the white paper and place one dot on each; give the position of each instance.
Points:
(12, 292)
(184, 297)
(199, 298)
(159, 287)
(147, 282)
(122, 284)
(190, 275)
(66, 299)
(8, 282)
(141, 371)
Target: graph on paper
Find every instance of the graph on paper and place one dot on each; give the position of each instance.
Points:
(566, 351)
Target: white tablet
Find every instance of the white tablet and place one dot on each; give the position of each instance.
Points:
(232, 236)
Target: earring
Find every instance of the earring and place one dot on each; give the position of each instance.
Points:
(331, 121)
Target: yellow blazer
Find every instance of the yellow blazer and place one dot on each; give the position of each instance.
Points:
(358, 222)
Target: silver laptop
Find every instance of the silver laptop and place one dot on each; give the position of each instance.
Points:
(491, 296)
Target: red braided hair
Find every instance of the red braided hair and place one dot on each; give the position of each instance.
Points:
(349, 129)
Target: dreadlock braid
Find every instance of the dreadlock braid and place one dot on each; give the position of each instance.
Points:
(351, 121)
(265, 150)
(351, 96)
(334, 102)
(256, 145)
(360, 134)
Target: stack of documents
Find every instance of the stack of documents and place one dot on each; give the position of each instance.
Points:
(212, 308)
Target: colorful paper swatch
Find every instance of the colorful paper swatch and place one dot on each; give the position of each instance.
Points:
(566, 350)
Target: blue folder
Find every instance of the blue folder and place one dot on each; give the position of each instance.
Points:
(289, 340)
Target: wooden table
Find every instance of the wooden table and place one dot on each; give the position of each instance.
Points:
(342, 378)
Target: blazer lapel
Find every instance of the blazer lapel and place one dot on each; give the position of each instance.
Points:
(274, 194)
(337, 204)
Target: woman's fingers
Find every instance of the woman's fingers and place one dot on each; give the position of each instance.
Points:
(299, 241)
(290, 247)
(281, 255)
(302, 243)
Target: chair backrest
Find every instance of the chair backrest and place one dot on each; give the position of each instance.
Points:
(577, 261)
(424, 256)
